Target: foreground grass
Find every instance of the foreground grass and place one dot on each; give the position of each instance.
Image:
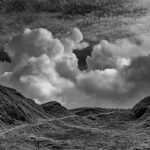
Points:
(78, 133)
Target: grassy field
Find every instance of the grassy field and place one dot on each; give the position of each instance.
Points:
(116, 130)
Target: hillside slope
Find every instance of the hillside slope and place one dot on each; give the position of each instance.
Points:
(80, 128)
(141, 109)
(15, 108)
(104, 131)
(55, 109)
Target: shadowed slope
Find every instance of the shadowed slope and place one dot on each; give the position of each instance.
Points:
(16, 108)
(86, 111)
(142, 108)
(56, 109)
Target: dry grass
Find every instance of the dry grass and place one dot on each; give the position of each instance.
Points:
(78, 133)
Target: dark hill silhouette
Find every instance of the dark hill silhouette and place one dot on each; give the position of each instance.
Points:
(54, 125)
(142, 109)
(86, 111)
(15, 108)
(56, 109)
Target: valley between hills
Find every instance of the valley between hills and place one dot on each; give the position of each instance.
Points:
(24, 124)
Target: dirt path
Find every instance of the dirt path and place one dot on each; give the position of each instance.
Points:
(25, 125)
(50, 120)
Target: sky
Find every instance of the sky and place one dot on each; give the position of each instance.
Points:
(45, 68)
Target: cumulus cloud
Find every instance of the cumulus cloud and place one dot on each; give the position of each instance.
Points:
(40, 67)
(137, 74)
(129, 47)
(45, 68)
(101, 58)
(68, 67)
(101, 83)
(73, 40)
(35, 43)
(128, 61)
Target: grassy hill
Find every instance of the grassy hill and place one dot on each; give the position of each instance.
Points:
(24, 124)
(17, 109)
(56, 109)
(106, 130)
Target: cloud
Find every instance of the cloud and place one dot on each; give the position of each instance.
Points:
(119, 71)
(45, 68)
(34, 43)
(99, 83)
(101, 58)
(73, 40)
(40, 67)
(68, 67)
(38, 79)
(129, 47)
(137, 74)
